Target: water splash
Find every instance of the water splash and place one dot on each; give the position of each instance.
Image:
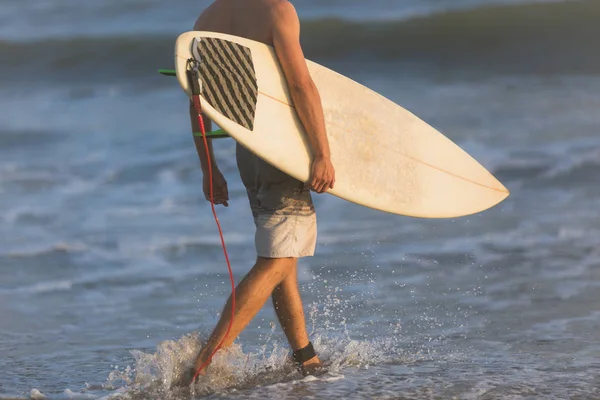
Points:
(154, 375)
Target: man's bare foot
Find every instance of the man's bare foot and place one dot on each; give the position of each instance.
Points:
(202, 362)
(188, 375)
(311, 367)
(185, 379)
(307, 360)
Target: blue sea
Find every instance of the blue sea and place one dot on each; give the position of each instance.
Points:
(111, 270)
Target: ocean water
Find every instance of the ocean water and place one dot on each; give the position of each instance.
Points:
(111, 270)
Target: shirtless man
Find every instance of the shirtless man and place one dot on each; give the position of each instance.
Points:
(282, 206)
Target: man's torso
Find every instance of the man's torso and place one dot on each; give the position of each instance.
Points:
(282, 206)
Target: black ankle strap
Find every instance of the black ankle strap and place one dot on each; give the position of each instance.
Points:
(304, 354)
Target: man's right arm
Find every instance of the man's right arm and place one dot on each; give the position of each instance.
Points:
(304, 93)
(221, 194)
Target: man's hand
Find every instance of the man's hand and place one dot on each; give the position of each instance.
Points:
(322, 177)
(220, 192)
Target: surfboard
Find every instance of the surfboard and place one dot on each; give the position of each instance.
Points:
(385, 157)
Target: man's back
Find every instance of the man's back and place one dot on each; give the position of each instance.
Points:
(251, 19)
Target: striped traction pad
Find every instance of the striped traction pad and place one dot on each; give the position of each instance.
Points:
(228, 78)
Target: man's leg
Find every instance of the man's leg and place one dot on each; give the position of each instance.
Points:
(288, 306)
(251, 294)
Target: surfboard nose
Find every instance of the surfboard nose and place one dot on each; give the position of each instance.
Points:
(501, 187)
(489, 194)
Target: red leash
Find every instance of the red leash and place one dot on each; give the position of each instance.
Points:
(198, 108)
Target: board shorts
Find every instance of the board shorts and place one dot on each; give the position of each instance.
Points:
(282, 207)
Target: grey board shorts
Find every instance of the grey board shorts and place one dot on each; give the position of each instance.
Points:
(282, 207)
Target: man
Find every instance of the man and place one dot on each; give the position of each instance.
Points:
(282, 206)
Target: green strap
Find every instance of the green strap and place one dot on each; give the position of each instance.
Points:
(167, 72)
(218, 134)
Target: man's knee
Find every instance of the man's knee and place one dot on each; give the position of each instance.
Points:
(280, 266)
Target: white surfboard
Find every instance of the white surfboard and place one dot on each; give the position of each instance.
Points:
(385, 157)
